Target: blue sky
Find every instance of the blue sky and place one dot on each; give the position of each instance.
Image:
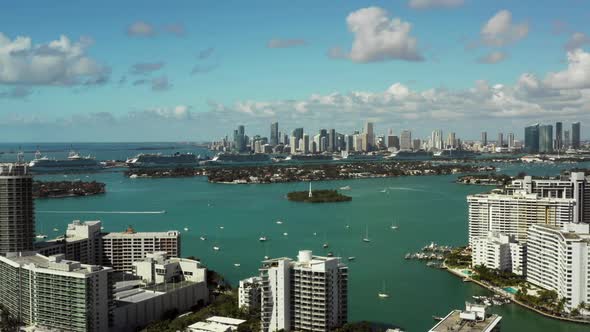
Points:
(202, 67)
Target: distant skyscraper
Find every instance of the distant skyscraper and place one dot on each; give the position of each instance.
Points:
(406, 140)
(332, 140)
(451, 141)
(274, 133)
(576, 135)
(500, 141)
(17, 218)
(349, 142)
(484, 138)
(240, 140)
(546, 139)
(369, 130)
(566, 139)
(558, 135)
(531, 138)
(416, 144)
(511, 140)
(437, 140)
(305, 148)
(298, 134)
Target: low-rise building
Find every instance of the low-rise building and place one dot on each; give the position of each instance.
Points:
(558, 259)
(249, 293)
(473, 319)
(55, 293)
(216, 324)
(500, 252)
(156, 268)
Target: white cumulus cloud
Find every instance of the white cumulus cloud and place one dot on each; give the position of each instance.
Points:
(59, 62)
(379, 38)
(577, 40)
(575, 76)
(500, 30)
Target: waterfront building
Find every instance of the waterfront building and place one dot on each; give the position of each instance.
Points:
(17, 214)
(498, 251)
(274, 133)
(56, 294)
(512, 214)
(558, 259)
(156, 268)
(546, 139)
(216, 324)
(307, 294)
(531, 138)
(575, 135)
(120, 250)
(473, 319)
(405, 140)
(249, 293)
(500, 142)
(484, 138)
(575, 186)
(558, 136)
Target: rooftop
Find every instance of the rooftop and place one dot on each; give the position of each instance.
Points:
(454, 322)
(53, 263)
(127, 234)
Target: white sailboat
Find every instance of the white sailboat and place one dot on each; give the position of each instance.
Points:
(366, 238)
(383, 294)
(394, 227)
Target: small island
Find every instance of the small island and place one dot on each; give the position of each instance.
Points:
(62, 189)
(318, 196)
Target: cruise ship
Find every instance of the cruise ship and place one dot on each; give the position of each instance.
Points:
(454, 154)
(153, 160)
(232, 158)
(74, 162)
(410, 155)
(346, 156)
(308, 157)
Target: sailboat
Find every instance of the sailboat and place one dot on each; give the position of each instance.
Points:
(383, 293)
(394, 227)
(262, 238)
(366, 238)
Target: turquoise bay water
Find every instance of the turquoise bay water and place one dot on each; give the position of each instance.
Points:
(425, 209)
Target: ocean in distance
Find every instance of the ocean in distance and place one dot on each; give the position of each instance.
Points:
(428, 208)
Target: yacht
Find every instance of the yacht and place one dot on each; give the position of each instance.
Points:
(203, 238)
(55, 229)
(285, 233)
(279, 222)
(345, 188)
(237, 264)
(41, 236)
(351, 258)
(186, 229)
(383, 294)
(262, 238)
(366, 238)
(325, 245)
(216, 248)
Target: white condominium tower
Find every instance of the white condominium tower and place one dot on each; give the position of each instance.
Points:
(559, 259)
(56, 294)
(500, 252)
(512, 214)
(576, 186)
(309, 294)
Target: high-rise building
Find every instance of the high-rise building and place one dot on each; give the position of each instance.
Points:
(393, 142)
(575, 186)
(451, 142)
(305, 143)
(558, 136)
(566, 139)
(546, 139)
(55, 293)
(349, 142)
(512, 214)
(405, 140)
(157, 268)
(297, 134)
(240, 139)
(274, 133)
(120, 250)
(500, 142)
(575, 135)
(511, 142)
(484, 138)
(369, 130)
(558, 260)
(437, 140)
(531, 138)
(332, 140)
(307, 294)
(416, 144)
(17, 215)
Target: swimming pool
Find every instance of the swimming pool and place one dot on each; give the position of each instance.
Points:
(511, 290)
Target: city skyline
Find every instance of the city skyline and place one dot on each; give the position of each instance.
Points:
(193, 74)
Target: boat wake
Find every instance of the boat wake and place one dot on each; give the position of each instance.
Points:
(105, 212)
(407, 189)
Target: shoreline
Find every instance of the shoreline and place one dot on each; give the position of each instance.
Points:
(513, 299)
